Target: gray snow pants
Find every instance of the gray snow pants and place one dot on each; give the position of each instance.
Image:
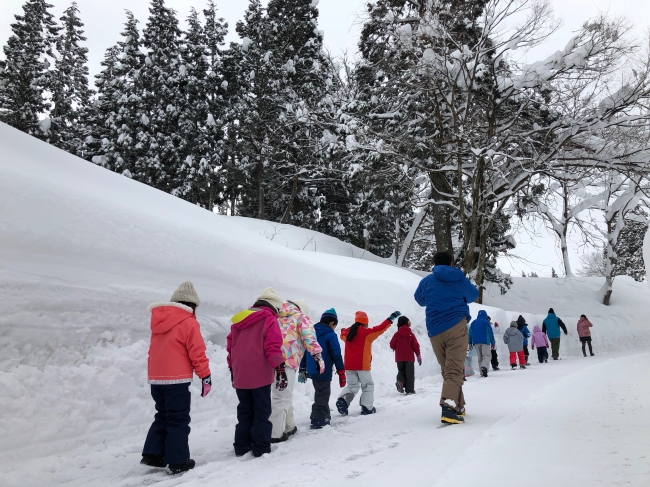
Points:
(359, 379)
(484, 353)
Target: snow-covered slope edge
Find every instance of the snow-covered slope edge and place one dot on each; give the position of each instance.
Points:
(82, 253)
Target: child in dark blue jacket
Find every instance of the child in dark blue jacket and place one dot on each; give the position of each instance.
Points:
(331, 355)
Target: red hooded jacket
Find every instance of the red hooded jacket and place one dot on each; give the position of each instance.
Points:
(177, 347)
(405, 344)
(254, 347)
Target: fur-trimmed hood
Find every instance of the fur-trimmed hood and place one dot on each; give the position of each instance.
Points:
(165, 316)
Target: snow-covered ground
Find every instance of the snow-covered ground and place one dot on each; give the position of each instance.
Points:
(82, 253)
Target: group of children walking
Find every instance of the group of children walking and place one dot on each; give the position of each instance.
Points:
(274, 341)
(482, 341)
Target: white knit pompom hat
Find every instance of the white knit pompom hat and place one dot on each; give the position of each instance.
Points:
(270, 296)
(186, 294)
(302, 304)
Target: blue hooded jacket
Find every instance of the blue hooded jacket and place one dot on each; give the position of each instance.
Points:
(329, 342)
(522, 326)
(481, 331)
(446, 293)
(551, 326)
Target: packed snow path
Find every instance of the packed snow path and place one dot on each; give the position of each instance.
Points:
(579, 421)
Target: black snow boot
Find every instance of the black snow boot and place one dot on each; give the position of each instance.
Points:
(522, 366)
(342, 406)
(484, 371)
(182, 467)
(400, 387)
(293, 431)
(284, 437)
(365, 411)
(450, 415)
(153, 460)
(514, 366)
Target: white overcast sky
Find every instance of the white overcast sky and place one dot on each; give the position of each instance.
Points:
(340, 20)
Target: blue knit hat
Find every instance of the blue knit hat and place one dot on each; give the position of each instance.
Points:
(329, 313)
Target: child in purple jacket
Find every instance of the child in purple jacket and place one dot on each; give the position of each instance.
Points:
(540, 340)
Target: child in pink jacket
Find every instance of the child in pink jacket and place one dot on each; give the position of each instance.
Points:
(176, 352)
(255, 357)
(540, 340)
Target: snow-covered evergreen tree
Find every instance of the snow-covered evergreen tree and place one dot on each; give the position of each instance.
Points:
(161, 102)
(629, 247)
(25, 76)
(117, 120)
(69, 84)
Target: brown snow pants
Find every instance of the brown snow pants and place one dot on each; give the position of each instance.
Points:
(450, 348)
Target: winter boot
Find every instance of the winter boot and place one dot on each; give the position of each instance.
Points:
(365, 411)
(293, 431)
(342, 406)
(592, 354)
(182, 467)
(400, 386)
(461, 411)
(284, 437)
(317, 424)
(495, 368)
(584, 354)
(153, 460)
(514, 366)
(450, 415)
(522, 366)
(484, 371)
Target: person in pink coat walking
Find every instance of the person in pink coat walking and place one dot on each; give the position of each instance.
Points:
(540, 340)
(585, 334)
(255, 358)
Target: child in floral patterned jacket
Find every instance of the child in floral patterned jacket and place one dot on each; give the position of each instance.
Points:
(298, 335)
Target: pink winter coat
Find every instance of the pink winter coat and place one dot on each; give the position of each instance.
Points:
(177, 347)
(583, 327)
(538, 338)
(254, 347)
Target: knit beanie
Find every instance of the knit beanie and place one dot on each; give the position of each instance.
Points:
(329, 313)
(513, 323)
(186, 294)
(302, 305)
(361, 317)
(270, 296)
(402, 321)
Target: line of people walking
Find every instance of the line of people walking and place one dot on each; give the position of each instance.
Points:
(273, 344)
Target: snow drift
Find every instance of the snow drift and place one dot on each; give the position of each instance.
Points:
(83, 251)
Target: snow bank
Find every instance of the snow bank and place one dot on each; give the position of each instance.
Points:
(84, 251)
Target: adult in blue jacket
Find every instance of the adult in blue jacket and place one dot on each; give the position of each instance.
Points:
(446, 293)
(481, 337)
(331, 355)
(551, 326)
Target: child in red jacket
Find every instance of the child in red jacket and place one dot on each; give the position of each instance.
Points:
(407, 349)
(176, 351)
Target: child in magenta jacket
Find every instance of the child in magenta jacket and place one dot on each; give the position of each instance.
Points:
(254, 348)
(540, 340)
(176, 352)
(407, 349)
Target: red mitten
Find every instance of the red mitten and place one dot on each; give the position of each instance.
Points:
(342, 379)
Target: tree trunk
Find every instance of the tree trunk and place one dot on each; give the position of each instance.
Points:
(472, 238)
(440, 213)
(410, 236)
(292, 199)
(260, 190)
(480, 268)
(610, 260)
(563, 245)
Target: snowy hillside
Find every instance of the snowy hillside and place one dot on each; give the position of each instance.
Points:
(83, 251)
